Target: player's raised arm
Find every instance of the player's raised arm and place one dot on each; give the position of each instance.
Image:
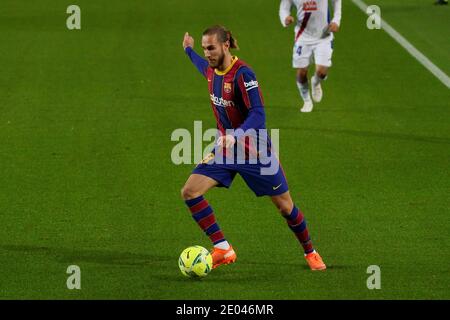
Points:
(285, 12)
(188, 41)
(199, 62)
(337, 14)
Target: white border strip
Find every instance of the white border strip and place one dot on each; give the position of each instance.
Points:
(438, 73)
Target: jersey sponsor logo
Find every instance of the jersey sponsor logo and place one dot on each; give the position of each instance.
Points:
(251, 85)
(227, 87)
(221, 102)
(310, 5)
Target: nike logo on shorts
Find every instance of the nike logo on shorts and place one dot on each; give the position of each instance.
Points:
(275, 188)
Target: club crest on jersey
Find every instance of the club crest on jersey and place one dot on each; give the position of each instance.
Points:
(310, 5)
(227, 87)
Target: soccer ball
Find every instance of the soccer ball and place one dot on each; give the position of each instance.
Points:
(195, 262)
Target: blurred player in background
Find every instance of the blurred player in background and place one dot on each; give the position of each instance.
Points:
(313, 38)
(237, 103)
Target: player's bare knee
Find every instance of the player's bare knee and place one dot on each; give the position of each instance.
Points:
(302, 75)
(322, 74)
(284, 208)
(188, 193)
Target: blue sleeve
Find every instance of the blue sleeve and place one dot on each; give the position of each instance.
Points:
(249, 88)
(256, 119)
(199, 62)
(252, 97)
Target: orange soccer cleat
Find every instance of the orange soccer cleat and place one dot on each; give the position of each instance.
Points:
(221, 256)
(315, 261)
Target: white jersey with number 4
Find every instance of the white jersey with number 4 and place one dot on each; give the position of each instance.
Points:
(313, 18)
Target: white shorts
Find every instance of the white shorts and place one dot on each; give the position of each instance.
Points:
(322, 53)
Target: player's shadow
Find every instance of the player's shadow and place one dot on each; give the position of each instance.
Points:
(72, 255)
(215, 276)
(298, 265)
(335, 267)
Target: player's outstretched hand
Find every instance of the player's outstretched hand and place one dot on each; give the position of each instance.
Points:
(288, 20)
(188, 41)
(333, 27)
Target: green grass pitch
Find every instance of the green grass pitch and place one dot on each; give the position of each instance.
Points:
(87, 179)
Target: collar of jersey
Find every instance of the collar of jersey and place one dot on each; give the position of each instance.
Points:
(224, 72)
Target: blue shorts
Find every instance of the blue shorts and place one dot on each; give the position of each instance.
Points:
(262, 185)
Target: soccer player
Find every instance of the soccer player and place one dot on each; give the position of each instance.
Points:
(313, 38)
(237, 103)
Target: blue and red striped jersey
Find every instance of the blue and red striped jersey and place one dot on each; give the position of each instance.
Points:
(235, 95)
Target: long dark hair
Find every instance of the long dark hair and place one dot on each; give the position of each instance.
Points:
(223, 35)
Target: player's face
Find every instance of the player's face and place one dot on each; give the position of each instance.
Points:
(214, 50)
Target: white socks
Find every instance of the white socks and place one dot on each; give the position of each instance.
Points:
(224, 245)
(315, 80)
(304, 90)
